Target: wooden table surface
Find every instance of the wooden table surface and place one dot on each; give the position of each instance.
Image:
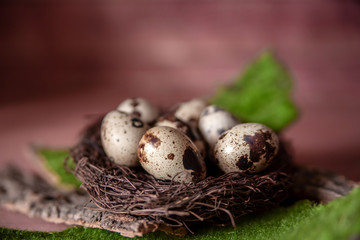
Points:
(60, 62)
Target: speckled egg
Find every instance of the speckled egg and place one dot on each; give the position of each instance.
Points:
(189, 112)
(167, 153)
(120, 136)
(169, 120)
(213, 122)
(248, 147)
(139, 108)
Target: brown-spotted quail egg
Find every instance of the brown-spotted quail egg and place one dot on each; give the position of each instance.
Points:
(120, 136)
(189, 112)
(140, 108)
(167, 153)
(169, 120)
(213, 122)
(248, 147)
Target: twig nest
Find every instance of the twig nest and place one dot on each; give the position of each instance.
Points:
(120, 135)
(217, 199)
(213, 122)
(189, 112)
(139, 108)
(168, 154)
(248, 147)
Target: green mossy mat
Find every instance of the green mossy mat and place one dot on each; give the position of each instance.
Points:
(339, 219)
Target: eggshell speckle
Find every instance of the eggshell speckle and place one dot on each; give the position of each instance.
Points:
(169, 120)
(189, 112)
(248, 147)
(166, 153)
(213, 122)
(139, 108)
(120, 135)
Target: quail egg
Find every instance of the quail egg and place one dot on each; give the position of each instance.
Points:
(213, 122)
(120, 134)
(139, 108)
(169, 120)
(168, 154)
(248, 148)
(189, 112)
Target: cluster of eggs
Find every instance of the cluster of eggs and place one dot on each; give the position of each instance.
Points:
(173, 145)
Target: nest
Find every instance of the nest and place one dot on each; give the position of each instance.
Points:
(218, 199)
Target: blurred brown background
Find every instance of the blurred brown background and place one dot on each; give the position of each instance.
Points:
(63, 60)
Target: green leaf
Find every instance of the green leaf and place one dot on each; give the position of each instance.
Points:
(340, 219)
(54, 162)
(261, 94)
